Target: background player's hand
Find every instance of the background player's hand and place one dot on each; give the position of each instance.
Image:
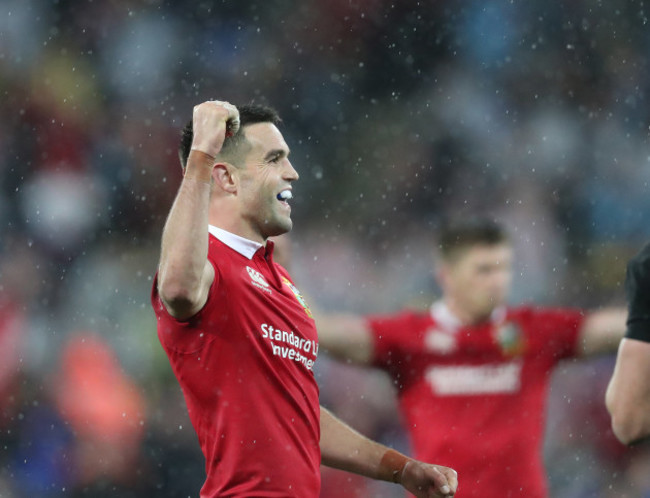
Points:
(426, 480)
(212, 121)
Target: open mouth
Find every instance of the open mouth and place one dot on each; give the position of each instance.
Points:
(285, 196)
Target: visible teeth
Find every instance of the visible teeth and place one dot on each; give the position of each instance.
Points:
(285, 195)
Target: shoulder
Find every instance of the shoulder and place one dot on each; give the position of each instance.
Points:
(535, 313)
(555, 330)
(224, 259)
(283, 272)
(522, 313)
(216, 247)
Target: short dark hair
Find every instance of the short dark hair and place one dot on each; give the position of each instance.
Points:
(248, 114)
(456, 235)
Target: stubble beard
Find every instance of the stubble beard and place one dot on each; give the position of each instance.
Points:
(277, 224)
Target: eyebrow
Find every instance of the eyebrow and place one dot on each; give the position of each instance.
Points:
(276, 152)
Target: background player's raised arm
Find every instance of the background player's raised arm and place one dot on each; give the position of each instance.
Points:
(348, 337)
(601, 331)
(628, 393)
(345, 336)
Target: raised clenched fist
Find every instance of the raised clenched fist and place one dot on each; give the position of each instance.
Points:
(211, 121)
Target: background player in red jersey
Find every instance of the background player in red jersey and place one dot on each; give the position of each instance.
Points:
(239, 336)
(628, 393)
(474, 366)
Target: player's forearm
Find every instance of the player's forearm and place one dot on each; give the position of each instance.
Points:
(345, 449)
(185, 236)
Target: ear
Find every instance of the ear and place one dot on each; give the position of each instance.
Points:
(225, 177)
(442, 274)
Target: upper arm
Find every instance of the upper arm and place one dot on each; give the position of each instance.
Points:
(601, 331)
(345, 336)
(628, 393)
(185, 303)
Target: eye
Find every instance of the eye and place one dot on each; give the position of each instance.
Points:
(275, 158)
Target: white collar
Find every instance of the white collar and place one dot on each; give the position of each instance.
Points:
(245, 247)
(443, 316)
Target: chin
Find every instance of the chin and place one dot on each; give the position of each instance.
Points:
(486, 311)
(280, 229)
(286, 225)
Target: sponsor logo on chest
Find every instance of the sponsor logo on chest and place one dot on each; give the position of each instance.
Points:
(502, 378)
(291, 346)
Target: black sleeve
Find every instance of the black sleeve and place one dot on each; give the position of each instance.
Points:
(637, 289)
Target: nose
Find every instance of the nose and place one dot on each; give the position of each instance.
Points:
(290, 173)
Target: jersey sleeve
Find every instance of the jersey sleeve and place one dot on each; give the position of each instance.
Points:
(394, 336)
(556, 331)
(184, 336)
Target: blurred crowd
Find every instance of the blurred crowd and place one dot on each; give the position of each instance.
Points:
(398, 114)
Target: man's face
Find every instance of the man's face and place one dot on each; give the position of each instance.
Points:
(478, 280)
(267, 173)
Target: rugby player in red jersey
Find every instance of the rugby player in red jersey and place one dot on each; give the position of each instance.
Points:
(239, 336)
(628, 393)
(474, 366)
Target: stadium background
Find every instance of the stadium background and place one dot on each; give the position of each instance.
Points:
(398, 114)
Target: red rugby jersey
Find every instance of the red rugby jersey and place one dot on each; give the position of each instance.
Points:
(474, 398)
(244, 363)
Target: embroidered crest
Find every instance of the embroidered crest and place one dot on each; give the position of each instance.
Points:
(511, 339)
(298, 295)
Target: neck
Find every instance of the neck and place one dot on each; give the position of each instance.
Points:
(227, 219)
(464, 316)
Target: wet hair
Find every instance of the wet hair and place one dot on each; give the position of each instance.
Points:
(232, 146)
(457, 235)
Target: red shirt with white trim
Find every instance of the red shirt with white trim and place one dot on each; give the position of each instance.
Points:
(244, 363)
(473, 398)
